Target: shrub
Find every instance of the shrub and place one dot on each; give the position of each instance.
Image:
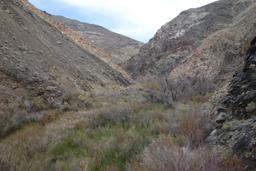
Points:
(103, 148)
(144, 116)
(122, 147)
(3, 108)
(160, 90)
(111, 137)
(167, 91)
(164, 155)
(4, 166)
(49, 117)
(192, 121)
(9, 122)
(110, 115)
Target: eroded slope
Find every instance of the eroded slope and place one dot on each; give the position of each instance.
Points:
(207, 41)
(41, 68)
(120, 48)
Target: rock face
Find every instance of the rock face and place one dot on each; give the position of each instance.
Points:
(119, 47)
(207, 40)
(238, 128)
(42, 60)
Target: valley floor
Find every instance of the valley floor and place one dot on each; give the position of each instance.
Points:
(121, 129)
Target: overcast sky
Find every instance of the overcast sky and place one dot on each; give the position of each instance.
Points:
(138, 19)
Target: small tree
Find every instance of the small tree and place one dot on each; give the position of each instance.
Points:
(166, 90)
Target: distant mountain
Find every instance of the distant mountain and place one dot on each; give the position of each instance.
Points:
(119, 47)
(209, 40)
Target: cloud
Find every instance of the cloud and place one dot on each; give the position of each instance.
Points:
(138, 19)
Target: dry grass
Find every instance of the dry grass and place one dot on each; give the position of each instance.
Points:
(109, 138)
(163, 154)
(114, 137)
(120, 133)
(11, 121)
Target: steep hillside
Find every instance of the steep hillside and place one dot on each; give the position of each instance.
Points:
(119, 47)
(208, 41)
(110, 47)
(40, 68)
(34, 51)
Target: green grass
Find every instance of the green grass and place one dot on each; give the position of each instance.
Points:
(122, 147)
(113, 141)
(69, 146)
(115, 135)
(104, 147)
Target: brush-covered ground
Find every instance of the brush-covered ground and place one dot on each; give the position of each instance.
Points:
(133, 128)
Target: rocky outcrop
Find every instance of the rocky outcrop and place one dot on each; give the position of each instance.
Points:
(208, 41)
(236, 119)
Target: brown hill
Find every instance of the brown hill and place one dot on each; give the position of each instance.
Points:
(108, 46)
(207, 40)
(40, 68)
